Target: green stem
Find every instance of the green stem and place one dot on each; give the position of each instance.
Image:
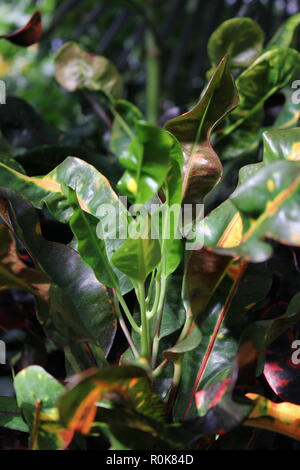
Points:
(127, 312)
(240, 121)
(156, 372)
(156, 338)
(124, 328)
(121, 121)
(153, 75)
(145, 334)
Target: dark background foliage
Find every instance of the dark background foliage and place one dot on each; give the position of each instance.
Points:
(116, 29)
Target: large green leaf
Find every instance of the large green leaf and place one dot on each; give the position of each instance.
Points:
(76, 68)
(137, 257)
(193, 129)
(93, 190)
(264, 205)
(272, 71)
(83, 306)
(121, 384)
(287, 34)
(91, 248)
(37, 395)
(241, 38)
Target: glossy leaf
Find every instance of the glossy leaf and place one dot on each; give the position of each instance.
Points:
(289, 115)
(37, 395)
(28, 34)
(272, 214)
(147, 161)
(120, 139)
(258, 82)
(93, 190)
(91, 248)
(83, 306)
(12, 163)
(123, 384)
(263, 205)
(137, 257)
(281, 144)
(76, 68)
(241, 38)
(202, 168)
(219, 412)
(287, 34)
(190, 342)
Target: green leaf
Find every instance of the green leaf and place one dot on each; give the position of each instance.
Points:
(274, 214)
(76, 68)
(272, 71)
(264, 205)
(121, 384)
(287, 34)
(193, 129)
(12, 163)
(37, 394)
(93, 191)
(147, 162)
(289, 115)
(10, 415)
(120, 139)
(190, 342)
(137, 257)
(241, 38)
(91, 248)
(281, 144)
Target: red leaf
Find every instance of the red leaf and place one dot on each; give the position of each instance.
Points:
(29, 34)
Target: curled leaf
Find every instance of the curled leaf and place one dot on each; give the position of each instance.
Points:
(28, 34)
(76, 68)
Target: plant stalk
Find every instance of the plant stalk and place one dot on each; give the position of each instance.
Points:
(153, 75)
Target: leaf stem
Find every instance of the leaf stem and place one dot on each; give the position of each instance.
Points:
(36, 423)
(97, 108)
(215, 333)
(124, 327)
(127, 312)
(145, 334)
(121, 121)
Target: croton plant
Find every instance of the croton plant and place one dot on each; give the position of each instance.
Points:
(165, 347)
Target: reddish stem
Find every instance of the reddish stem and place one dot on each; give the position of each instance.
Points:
(215, 334)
